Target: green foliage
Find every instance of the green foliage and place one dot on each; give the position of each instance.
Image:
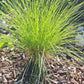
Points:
(43, 24)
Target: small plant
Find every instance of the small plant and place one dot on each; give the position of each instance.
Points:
(41, 27)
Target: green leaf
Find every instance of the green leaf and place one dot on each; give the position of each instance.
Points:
(28, 0)
(3, 42)
(12, 47)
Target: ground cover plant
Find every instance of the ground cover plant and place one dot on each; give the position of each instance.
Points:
(43, 29)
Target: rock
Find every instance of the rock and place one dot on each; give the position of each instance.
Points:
(2, 24)
(81, 42)
(80, 29)
(80, 37)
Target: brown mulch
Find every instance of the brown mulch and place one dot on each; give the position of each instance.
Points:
(65, 73)
(12, 63)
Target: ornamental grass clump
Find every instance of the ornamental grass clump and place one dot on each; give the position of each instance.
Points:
(42, 27)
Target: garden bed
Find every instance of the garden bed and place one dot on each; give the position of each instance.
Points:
(12, 64)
